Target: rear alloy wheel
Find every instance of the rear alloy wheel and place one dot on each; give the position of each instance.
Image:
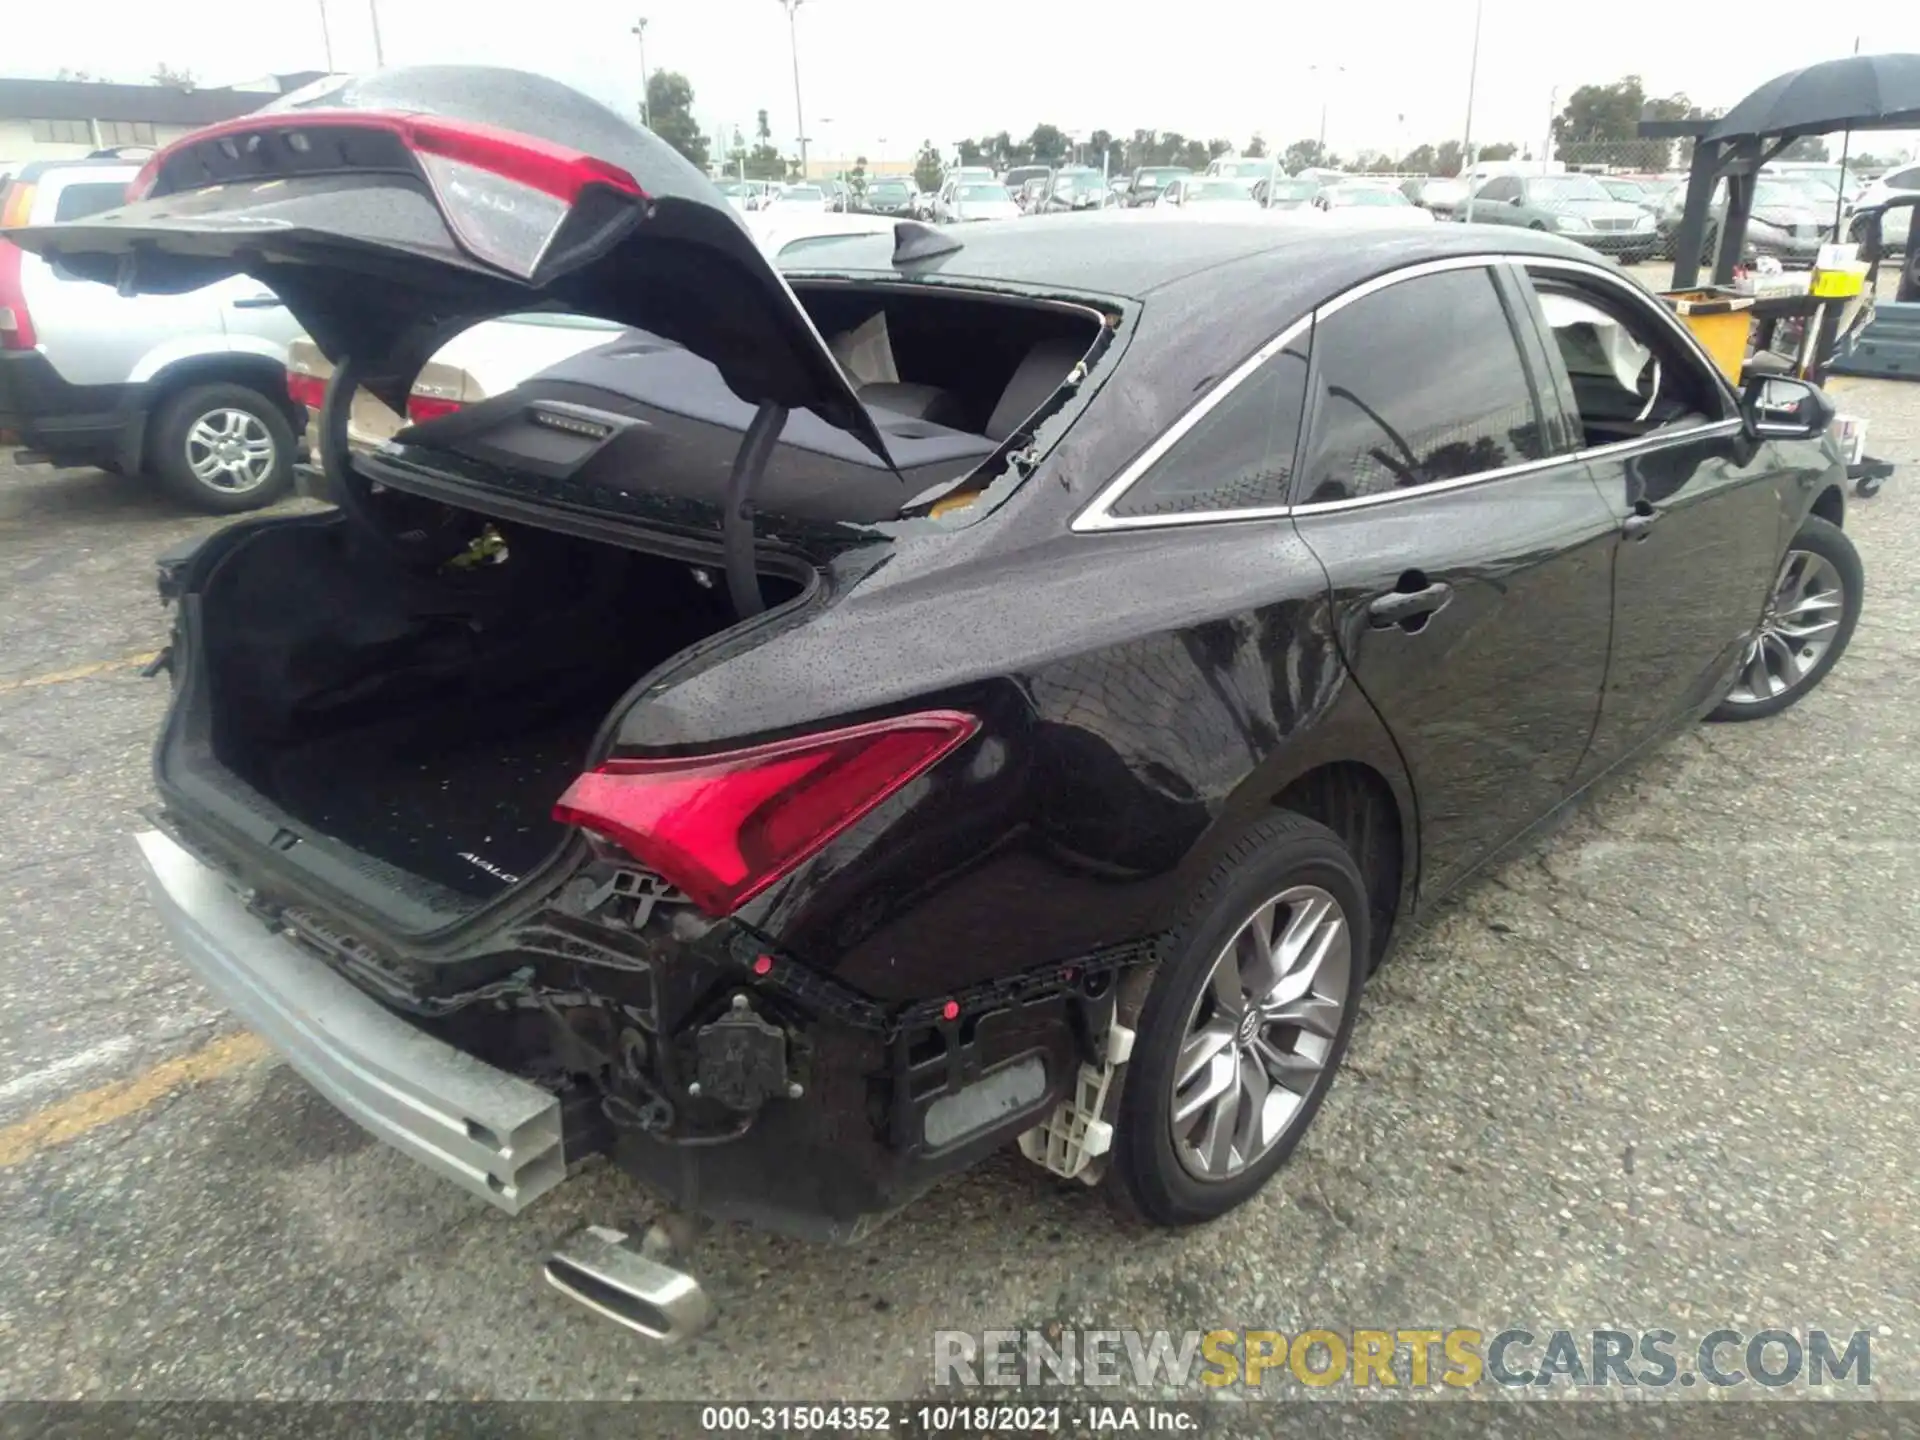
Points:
(1810, 615)
(1260, 1032)
(224, 448)
(1245, 1025)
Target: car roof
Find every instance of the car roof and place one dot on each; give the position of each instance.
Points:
(35, 170)
(1132, 253)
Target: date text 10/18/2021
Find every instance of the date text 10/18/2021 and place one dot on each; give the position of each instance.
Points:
(958, 1418)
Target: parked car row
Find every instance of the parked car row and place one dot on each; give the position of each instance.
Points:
(1575, 205)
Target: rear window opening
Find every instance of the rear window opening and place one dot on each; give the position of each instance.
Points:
(639, 425)
(429, 721)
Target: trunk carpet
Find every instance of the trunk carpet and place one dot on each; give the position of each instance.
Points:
(472, 814)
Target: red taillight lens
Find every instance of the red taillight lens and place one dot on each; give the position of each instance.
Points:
(539, 164)
(142, 184)
(724, 827)
(504, 194)
(16, 326)
(307, 390)
(422, 408)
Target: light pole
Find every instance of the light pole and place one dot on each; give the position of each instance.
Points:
(640, 34)
(373, 13)
(1466, 138)
(1546, 143)
(799, 118)
(1473, 80)
(326, 36)
(1323, 70)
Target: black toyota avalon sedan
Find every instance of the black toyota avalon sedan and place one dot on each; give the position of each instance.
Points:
(966, 689)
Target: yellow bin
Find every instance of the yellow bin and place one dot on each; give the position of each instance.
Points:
(1839, 284)
(1719, 321)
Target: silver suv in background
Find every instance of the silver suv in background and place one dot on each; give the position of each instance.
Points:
(1896, 228)
(190, 388)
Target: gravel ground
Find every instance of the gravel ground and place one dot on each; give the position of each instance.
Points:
(1655, 1072)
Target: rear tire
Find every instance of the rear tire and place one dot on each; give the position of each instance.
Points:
(1177, 1158)
(223, 448)
(1821, 584)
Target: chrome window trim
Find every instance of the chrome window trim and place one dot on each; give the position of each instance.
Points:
(1458, 482)
(1620, 449)
(1098, 516)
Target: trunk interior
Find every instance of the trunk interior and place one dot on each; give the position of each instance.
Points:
(430, 721)
(425, 721)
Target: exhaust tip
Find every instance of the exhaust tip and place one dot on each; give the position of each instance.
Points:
(603, 1271)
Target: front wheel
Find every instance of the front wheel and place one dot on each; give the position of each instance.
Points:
(1810, 615)
(224, 448)
(1245, 1024)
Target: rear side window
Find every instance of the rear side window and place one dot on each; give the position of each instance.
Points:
(1421, 382)
(77, 201)
(1240, 455)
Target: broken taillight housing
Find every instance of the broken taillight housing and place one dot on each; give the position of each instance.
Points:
(503, 194)
(724, 827)
(307, 390)
(16, 325)
(423, 406)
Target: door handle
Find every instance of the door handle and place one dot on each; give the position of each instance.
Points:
(1636, 525)
(1397, 607)
(259, 302)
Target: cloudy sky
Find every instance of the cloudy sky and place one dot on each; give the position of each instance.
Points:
(879, 76)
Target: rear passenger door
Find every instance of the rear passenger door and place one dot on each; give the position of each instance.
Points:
(1469, 559)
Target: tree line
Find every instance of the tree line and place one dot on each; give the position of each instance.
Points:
(1598, 125)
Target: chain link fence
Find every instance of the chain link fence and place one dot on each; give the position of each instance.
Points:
(1626, 157)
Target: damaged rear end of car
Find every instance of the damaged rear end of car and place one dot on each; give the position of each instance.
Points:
(429, 818)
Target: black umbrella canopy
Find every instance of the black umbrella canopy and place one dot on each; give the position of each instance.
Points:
(1859, 92)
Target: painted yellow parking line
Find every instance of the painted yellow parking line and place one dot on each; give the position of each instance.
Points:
(79, 672)
(86, 1112)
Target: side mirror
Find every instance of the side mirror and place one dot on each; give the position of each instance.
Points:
(1777, 407)
(1518, 200)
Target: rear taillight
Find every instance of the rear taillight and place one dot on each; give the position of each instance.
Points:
(307, 390)
(724, 827)
(504, 194)
(16, 326)
(142, 184)
(16, 203)
(422, 407)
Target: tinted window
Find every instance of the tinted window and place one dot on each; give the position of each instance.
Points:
(1420, 382)
(1240, 455)
(76, 202)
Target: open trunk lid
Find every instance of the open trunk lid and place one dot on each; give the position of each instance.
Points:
(392, 211)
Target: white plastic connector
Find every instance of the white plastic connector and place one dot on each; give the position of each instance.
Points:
(1076, 1134)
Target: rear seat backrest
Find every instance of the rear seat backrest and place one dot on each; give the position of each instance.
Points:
(1040, 374)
